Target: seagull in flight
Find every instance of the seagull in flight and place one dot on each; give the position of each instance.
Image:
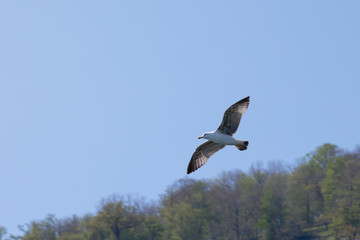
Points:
(221, 137)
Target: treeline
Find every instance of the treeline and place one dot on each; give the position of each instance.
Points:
(319, 198)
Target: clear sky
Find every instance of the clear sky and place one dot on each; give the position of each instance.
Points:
(103, 97)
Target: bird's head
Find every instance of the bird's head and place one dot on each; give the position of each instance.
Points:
(205, 135)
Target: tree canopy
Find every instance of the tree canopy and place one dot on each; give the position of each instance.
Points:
(318, 198)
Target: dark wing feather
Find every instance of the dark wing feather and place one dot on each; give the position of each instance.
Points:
(232, 116)
(202, 154)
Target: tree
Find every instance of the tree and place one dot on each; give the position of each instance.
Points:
(342, 195)
(40, 230)
(73, 228)
(115, 220)
(185, 211)
(273, 207)
(235, 198)
(2, 232)
(153, 227)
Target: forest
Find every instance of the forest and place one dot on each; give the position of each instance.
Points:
(316, 198)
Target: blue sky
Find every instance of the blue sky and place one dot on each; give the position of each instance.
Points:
(103, 97)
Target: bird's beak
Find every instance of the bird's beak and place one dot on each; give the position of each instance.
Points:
(200, 137)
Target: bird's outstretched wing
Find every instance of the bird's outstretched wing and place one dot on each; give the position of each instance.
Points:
(232, 116)
(202, 154)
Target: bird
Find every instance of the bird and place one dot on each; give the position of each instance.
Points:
(223, 136)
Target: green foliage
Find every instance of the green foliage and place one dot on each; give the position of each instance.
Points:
(186, 211)
(50, 228)
(272, 208)
(235, 200)
(152, 227)
(115, 220)
(318, 199)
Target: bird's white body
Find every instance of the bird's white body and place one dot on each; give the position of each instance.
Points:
(221, 138)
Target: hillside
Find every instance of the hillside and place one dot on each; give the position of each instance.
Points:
(318, 198)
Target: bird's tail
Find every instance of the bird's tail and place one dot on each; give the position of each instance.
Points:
(242, 145)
